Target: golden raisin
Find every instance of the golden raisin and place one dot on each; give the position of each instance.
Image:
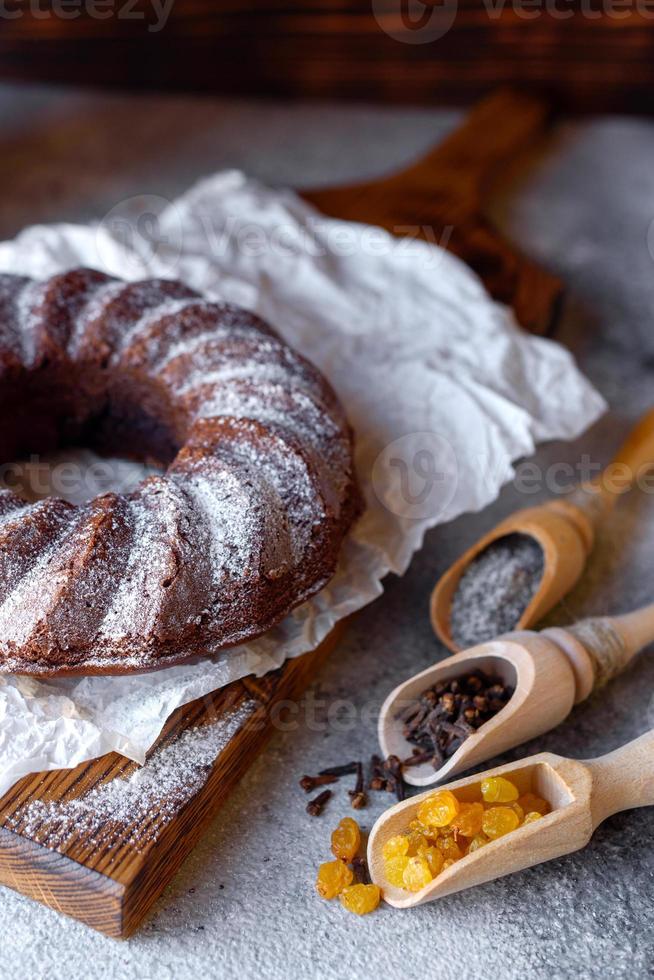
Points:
(477, 841)
(449, 848)
(517, 809)
(360, 899)
(434, 859)
(531, 803)
(346, 839)
(446, 829)
(416, 874)
(469, 819)
(500, 820)
(395, 847)
(429, 833)
(439, 810)
(394, 870)
(497, 789)
(333, 877)
(422, 828)
(417, 843)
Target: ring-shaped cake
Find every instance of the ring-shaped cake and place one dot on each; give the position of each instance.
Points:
(246, 518)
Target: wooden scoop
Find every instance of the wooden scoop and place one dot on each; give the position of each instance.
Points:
(549, 671)
(581, 794)
(564, 529)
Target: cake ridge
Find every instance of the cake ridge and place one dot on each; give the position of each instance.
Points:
(91, 309)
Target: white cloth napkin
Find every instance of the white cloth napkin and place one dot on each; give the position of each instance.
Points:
(443, 389)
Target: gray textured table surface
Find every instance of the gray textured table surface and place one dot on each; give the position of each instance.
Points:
(243, 905)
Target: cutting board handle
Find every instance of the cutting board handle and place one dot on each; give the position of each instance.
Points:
(442, 199)
(491, 135)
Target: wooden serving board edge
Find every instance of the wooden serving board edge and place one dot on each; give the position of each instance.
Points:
(116, 899)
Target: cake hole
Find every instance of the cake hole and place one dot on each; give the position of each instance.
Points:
(74, 432)
(75, 475)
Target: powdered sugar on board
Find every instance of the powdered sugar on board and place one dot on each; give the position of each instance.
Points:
(425, 363)
(124, 809)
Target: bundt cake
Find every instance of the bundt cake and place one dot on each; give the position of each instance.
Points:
(246, 518)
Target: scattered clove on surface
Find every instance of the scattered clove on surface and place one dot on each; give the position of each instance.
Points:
(348, 769)
(332, 774)
(317, 805)
(360, 869)
(445, 715)
(309, 783)
(393, 766)
(379, 777)
(358, 798)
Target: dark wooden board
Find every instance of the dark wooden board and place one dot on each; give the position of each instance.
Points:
(112, 885)
(590, 55)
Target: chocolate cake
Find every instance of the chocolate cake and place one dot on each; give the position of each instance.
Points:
(246, 519)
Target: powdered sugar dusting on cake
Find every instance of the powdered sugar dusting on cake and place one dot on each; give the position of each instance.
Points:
(30, 599)
(257, 351)
(176, 333)
(290, 410)
(10, 327)
(241, 369)
(244, 523)
(11, 506)
(31, 579)
(233, 521)
(93, 308)
(123, 810)
(205, 340)
(152, 564)
(48, 311)
(111, 320)
(26, 302)
(284, 469)
(169, 307)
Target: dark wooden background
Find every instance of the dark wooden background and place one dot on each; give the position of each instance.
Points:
(599, 58)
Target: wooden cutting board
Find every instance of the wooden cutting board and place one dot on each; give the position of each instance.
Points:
(101, 841)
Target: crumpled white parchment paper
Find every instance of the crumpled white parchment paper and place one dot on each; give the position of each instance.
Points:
(442, 388)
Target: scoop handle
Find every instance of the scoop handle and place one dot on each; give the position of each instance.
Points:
(623, 779)
(596, 498)
(610, 642)
(635, 455)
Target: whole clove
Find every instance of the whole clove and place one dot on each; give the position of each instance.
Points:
(317, 805)
(358, 798)
(379, 776)
(360, 869)
(393, 766)
(447, 713)
(379, 784)
(348, 769)
(418, 757)
(309, 783)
